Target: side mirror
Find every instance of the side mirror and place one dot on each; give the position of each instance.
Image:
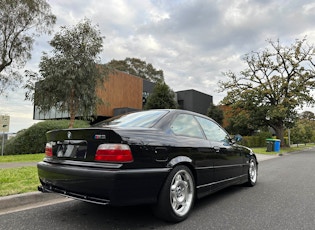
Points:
(238, 138)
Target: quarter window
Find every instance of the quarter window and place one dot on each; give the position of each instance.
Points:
(212, 130)
(186, 125)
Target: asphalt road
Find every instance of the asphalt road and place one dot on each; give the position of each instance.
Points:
(284, 198)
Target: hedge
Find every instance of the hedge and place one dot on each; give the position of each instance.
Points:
(258, 140)
(33, 139)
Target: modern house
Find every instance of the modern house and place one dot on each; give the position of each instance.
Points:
(125, 93)
(193, 100)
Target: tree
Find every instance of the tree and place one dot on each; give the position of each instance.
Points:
(235, 121)
(299, 133)
(303, 129)
(162, 97)
(138, 68)
(33, 139)
(307, 115)
(69, 77)
(215, 113)
(239, 123)
(20, 22)
(276, 82)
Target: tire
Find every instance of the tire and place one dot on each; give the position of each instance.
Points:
(177, 196)
(252, 172)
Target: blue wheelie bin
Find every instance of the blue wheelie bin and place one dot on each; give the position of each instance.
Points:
(276, 146)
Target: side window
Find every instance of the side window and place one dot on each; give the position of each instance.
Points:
(186, 125)
(212, 130)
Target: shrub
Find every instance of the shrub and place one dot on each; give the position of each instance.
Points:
(257, 140)
(33, 139)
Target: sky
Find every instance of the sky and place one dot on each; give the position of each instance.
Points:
(193, 41)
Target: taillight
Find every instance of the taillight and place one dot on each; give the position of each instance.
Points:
(119, 153)
(48, 150)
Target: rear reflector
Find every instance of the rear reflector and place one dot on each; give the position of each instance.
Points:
(48, 150)
(119, 153)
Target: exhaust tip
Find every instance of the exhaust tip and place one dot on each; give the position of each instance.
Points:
(40, 188)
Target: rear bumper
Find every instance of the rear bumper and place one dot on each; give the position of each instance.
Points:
(101, 185)
(77, 196)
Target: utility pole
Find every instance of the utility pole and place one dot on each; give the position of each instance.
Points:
(289, 136)
(2, 146)
(4, 127)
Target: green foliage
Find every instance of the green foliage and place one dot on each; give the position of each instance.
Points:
(20, 22)
(70, 75)
(239, 123)
(303, 130)
(22, 158)
(307, 116)
(215, 113)
(283, 150)
(162, 97)
(33, 139)
(138, 68)
(276, 82)
(18, 180)
(257, 140)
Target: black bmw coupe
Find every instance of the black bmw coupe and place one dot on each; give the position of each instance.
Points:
(167, 158)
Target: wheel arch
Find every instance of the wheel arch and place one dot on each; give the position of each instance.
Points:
(183, 160)
(164, 207)
(255, 157)
(252, 155)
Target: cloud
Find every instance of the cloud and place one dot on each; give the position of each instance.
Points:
(20, 111)
(192, 41)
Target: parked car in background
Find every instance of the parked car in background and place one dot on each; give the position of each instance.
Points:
(167, 158)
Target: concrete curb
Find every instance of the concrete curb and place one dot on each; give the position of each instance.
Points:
(263, 157)
(6, 165)
(18, 200)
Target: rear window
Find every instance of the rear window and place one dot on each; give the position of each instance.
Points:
(144, 119)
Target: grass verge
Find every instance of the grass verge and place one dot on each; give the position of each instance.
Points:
(22, 179)
(22, 158)
(293, 148)
(18, 180)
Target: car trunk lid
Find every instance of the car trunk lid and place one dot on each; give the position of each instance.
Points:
(79, 144)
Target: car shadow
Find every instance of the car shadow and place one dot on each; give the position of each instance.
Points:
(217, 197)
(78, 213)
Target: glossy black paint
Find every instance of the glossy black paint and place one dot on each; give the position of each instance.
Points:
(156, 150)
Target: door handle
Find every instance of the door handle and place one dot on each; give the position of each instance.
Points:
(217, 148)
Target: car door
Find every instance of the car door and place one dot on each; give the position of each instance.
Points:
(228, 160)
(193, 140)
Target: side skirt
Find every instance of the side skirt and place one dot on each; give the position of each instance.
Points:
(206, 189)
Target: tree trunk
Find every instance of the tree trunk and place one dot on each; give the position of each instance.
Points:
(280, 134)
(72, 118)
(72, 109)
